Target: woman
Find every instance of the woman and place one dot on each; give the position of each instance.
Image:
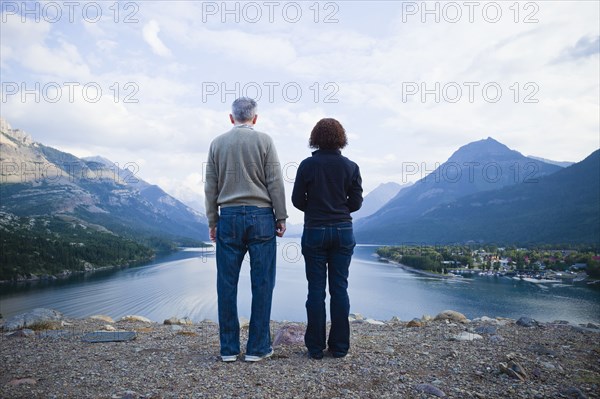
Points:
(327, 189)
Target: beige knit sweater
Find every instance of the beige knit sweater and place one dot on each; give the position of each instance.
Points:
(243, 169)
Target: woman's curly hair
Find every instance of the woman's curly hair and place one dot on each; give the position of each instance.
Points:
(328, 134)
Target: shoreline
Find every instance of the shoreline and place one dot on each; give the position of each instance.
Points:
(66, 274)
(588, 280)
(417, 271)
(51, 319)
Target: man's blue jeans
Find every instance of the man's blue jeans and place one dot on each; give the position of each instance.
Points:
(327, 253)
(242, 229)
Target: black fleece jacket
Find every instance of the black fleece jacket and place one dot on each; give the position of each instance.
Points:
(327, 189)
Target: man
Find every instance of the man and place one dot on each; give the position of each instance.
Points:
(245, 207)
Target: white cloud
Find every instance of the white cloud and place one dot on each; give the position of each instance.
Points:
(26, 43)
(369, 54)
(150, 33)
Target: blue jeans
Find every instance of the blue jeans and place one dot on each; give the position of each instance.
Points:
(242, 229)
(327, 253)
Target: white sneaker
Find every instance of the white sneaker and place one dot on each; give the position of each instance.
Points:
(252, 358)
(231, 358)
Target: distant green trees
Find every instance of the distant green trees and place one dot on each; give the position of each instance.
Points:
(440, 258)
(51, 246)
(428, 257)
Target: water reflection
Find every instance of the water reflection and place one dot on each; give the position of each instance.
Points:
(184, 284)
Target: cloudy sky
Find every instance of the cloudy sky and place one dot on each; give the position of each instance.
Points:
(151, 82)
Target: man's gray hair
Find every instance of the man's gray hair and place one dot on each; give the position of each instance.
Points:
(243, 109)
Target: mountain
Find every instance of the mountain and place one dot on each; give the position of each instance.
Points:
(164, 203)
(480, 166)
(562, 208)
(377, 198)
(562, 164)
(38, 180)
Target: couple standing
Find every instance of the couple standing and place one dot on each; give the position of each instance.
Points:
(245, 206)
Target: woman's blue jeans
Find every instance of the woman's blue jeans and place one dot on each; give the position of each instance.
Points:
(242, 229)
(327, 254)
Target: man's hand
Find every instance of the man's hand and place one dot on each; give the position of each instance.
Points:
(280, 230)
(212, 233)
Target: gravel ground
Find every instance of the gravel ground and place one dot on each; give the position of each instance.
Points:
(388, 360)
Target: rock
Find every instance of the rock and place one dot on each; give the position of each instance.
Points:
(135, 318)
(496, 338)
(527, 322)
(374, 322)
(34, 318)
(583, 329)
(486, 329)
(451, 355)
(244, 322)
(395, 319)
(176, 321)
(176, 327)
(291, 334)
(548, 365)
(501, 321)
(102, 317)
(542, 350)
(513, 370)
(466, 336)
(573, 392)
(415, 323)
(452, 316)
(484, 319)
(425, 318)
(431, 390)
(24, 333)
(108, 327)
(592, 326)
(129, 395)
(388, 350)
(356, 317)
(22, 381)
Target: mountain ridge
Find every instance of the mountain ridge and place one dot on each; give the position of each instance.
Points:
(562, 164)
(377, 198)
(42, 180)
(561, 208)
(477, 166)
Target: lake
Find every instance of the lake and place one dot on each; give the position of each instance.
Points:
(184, 284)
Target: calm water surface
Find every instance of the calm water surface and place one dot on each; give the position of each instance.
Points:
(184, 284)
